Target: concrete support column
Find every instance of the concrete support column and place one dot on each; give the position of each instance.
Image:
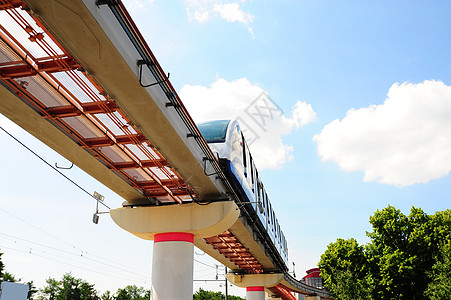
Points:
(172, 266)
(255, 293)
(175, 229)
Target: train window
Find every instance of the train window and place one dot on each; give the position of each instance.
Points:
(214, 132)
(269, 213)
(251, 163)
(265, 197)
(272, 219)
(261, 194)
(243, 145)
(259, 198)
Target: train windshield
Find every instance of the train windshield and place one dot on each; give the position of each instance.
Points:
(215, 131)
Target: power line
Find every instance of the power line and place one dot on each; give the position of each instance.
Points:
(214, 267)
(81, 251)
(72, 265)
(75, 254)
(42, 230)
(54, 168)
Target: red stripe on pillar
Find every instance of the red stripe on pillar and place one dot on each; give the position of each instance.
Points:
(255, 289)
(174, 237)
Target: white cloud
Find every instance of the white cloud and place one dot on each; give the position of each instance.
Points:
(404, 141)
(135, 5)
(231, 12)
(202, 11)
(261, 119)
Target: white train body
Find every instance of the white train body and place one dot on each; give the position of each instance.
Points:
(226, 139)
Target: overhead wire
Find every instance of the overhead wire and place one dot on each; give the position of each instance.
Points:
(82, 252)
(42, 230)
(198, 261)
(54, 168)
(73, 265)
(83, 255)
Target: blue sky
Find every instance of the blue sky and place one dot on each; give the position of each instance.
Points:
(329, 65)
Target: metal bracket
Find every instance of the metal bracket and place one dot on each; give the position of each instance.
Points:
(64, 168)
(99, 198)
(188, 135)
(142, 62)
(168, 104)
(205, 167)
(104, 2)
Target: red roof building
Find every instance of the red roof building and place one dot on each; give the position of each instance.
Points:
(313, 278)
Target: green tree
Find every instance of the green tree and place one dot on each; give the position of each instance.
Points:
(10, 277)
(202, 294)
(32, 290)
(69, 288)
(403, 249)
(344, 269)
(107, 296)
(51, 290)
(404, 255)
(2, 266)
(440, 286)
(132, 292)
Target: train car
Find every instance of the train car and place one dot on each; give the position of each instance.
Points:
(226, 139)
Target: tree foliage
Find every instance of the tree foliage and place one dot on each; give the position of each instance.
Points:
(344, 269)
(440, 286)
(402, 259)
(2, 266)
(202, 294)
(68, 288)
(132, 292)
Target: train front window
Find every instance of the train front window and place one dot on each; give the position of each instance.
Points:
(215, 131)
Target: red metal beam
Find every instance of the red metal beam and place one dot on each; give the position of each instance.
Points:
(144, 164)
(229, 246)
(65, 111)
(164, 193)
(99, 107)
(11, 4)
(282, 291)
(120, 139)
(58, 65)
(166, 182)
(25, 70)
(17, 71)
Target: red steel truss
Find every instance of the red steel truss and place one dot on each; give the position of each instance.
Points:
(228, 245)
(282, 292)
(43, 74)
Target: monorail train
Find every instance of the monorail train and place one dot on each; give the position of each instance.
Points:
(227, 140)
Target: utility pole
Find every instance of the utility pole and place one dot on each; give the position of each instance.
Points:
(226, 283)
(67, 290)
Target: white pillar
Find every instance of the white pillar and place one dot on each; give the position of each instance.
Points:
(255, 293)
(172, 266)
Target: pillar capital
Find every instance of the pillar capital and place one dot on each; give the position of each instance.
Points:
(199, 220)
(255, 280)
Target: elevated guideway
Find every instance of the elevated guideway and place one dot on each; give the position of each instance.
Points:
(79, 76)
